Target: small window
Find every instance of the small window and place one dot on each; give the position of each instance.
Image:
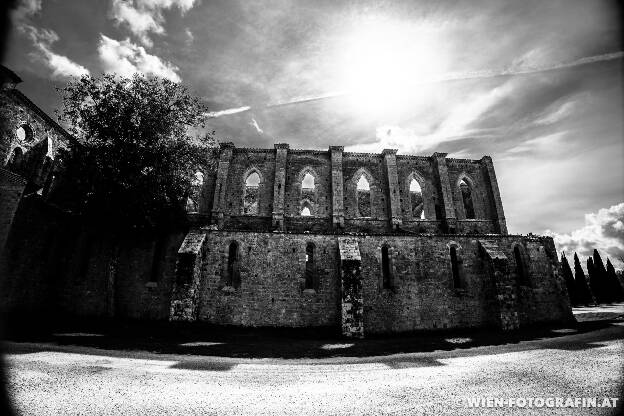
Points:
(233, 274)
(305, 212)
(466, 194)
(455, 267)
(386, 268)
(416, 200)
(308, 182)
(310, 271)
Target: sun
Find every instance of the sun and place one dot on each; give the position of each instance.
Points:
(385, 62)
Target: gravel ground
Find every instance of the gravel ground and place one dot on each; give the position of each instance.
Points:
(46, 379)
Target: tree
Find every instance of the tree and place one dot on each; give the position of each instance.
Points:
(582, 290)
(614, 282)
(566, 271)
(601, 278)
(135, 160)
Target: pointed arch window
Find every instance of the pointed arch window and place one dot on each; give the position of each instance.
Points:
(192, 203)
(252, 195)
(467, 199)
(417, 203)
(363, 197)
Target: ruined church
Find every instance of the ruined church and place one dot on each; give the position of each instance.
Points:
(364, 243)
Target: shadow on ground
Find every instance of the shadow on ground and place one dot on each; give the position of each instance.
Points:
(270, 343)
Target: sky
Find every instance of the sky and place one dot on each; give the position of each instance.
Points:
(536, 84)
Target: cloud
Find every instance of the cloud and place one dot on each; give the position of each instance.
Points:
(216, 114)
(144, 17)
(126, 58)
(603, 231)
(26, 8)
(62, 67)
(255, 125)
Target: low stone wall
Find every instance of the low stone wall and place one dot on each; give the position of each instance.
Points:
(422, 296)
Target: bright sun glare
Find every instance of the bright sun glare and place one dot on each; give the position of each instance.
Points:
(385, 61)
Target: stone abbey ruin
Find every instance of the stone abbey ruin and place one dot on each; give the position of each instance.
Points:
(281, 237)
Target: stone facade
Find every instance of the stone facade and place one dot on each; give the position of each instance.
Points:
(363, 243)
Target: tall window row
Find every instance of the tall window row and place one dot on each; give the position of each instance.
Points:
(363, 195)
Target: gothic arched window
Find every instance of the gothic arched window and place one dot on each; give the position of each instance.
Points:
(417, 204)
(467, 199)
(252, 195)
(363, 197)
(455, 267)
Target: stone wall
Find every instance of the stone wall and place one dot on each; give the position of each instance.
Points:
(281, 197)
(423, 296)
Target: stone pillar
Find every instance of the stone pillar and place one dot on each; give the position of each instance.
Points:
(185, 293)
(218, 203)
(351, 288)
(504, 284)
(279, 185)
(394, 197)
(446, 191)
(488, 166)
(337, 186)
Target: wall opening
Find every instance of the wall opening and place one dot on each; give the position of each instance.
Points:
(252, 195)
(417, 203)
(363, 197)
(233, 273)
(25, 133)
(192, 203)
(522, 275)
(310, 271)
(307, 182)
(386, 268)
(455, 267)
(305, 212)
(467, 196)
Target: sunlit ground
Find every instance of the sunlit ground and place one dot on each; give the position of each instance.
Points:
(47, 378)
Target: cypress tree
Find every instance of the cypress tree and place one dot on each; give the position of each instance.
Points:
(594, 282)
(602, 278)
(583, 293)
(566, 271)
(617, 290)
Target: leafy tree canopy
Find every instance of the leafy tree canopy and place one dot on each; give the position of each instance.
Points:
(136, 155)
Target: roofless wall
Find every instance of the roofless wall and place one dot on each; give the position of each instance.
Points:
(334, 191)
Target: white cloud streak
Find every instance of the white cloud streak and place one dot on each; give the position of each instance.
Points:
(126, 58)
(145, 17)
(62, 67)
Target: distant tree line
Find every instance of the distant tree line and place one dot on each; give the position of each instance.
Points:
(601, 285)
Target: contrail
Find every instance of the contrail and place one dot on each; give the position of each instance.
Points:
(215, 114)
(445, 78)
